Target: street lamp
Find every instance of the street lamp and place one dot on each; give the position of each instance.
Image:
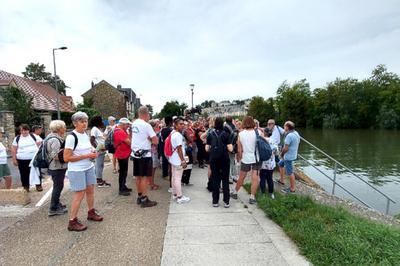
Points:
(56, 81)
(192, 88)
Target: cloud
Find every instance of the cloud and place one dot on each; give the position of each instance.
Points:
(229, 49)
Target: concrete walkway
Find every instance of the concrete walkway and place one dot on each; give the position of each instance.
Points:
(199, 234)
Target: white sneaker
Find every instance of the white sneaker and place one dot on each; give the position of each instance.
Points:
(272, 195)
(182, 199)
(170, 190)
(215, 205)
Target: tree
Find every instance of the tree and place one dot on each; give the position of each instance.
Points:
(20, 103)
(87, 107)
(37, 72)
(150, 107)
(262, 109)
(294, 102)
(172, 108)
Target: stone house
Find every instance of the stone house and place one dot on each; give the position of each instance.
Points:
(110, 101)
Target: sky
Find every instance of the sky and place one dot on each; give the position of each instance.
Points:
(231, 49)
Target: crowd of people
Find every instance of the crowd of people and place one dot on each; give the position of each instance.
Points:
(228, 148)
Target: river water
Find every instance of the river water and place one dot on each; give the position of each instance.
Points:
(372, 154)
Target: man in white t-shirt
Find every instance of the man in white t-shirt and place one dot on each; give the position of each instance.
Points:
(143, 136)
(277, 131)
(177, 160)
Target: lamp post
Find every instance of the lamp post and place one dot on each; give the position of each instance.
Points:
(56, 81)
(192, 88)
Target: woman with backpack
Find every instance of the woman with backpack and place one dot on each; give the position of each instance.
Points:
(57, 167)
(24, 148)
(79, 154)
(218, 146)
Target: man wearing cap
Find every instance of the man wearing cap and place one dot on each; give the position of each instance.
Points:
(122, 144)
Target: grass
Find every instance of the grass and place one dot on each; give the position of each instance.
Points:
(332, 236)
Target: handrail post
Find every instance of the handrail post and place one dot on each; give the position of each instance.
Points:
(387, 206)
(334, 179)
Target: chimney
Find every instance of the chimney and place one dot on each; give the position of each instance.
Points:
(92, 84)
(119, 87)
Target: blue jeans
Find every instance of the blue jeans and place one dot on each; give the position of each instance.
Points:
(99, 166)
(266, 175)
(288, 164)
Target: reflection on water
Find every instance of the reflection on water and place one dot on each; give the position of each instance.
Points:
(372, 154)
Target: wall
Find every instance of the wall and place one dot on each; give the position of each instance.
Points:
(107, 100)
(7, 125)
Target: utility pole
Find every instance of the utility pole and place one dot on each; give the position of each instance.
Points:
(192, 89)
(56, 81)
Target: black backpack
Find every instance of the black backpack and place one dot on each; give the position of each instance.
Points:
(218, 149)
(109, 142)
(41, 160)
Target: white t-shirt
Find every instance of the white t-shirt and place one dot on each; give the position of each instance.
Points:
(177, 140)
(108, 128)
(141, 132)
(277, 133)
(98, 135)
(38, 138)
(26, 147)
(83, 147)
(3, 154)
(248, 141)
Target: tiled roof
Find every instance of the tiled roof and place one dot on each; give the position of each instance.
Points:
(44, 96)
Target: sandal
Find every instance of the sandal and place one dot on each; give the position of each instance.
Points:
(155, 187)
(279, 182)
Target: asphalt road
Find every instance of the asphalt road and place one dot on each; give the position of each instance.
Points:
(129, 235)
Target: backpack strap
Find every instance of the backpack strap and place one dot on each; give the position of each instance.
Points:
(255, 150)
(19, 136)
(76, 139)
(33, 137)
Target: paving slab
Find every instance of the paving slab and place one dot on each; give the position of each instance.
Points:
(208, 219)
(222, 254)
(199, 234)
(129, 235)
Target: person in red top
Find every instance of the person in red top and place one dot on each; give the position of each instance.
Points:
(122, 144)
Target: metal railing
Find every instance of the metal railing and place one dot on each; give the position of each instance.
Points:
(335, 170)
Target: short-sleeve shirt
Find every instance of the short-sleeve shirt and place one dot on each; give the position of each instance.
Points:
(277, 132)
(141, 132)
(122, 150)
(3, 154)
(292, 139)
(98, 136)
(84, 147)
(224, 138)
(26, 147)
(177, 140)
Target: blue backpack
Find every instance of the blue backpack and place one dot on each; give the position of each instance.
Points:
(263, 148)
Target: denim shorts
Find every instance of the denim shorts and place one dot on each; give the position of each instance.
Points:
(80, 180)
(288, 164)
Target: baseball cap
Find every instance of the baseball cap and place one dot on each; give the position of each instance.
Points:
(124, 120)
